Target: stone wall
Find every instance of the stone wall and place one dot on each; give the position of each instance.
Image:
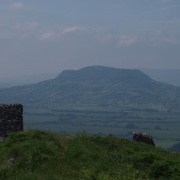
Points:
(11, 119)
(143, 137)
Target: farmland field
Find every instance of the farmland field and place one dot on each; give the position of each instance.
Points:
(163, 126)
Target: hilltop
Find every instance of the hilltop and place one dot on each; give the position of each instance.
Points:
(41, 155)
(95, 86)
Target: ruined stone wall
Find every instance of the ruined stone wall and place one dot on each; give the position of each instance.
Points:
(143, 137)
(11, 118)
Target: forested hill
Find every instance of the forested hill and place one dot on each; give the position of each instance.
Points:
(96, 86)
(107, 74)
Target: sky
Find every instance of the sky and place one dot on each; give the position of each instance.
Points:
(47, 36)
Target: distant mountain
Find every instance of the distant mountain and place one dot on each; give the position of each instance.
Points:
(96, 86)
(170, 76)
(26, 79)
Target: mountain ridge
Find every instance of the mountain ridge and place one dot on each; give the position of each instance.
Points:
(95, 86)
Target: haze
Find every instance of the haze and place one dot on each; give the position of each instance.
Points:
(50, 36)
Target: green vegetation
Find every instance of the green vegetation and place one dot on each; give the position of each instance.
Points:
(101, 100)
(41, 155)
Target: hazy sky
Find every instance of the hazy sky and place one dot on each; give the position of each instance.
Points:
(43, 36)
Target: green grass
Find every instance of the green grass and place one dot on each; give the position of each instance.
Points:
(45, 155)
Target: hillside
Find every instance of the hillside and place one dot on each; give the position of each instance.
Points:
(41, 155)
(170, 76)
(95, 86)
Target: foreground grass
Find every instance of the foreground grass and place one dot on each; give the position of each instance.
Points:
(41, 155)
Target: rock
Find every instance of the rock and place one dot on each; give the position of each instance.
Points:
(1, 139)
(10, 162)
(143, 137)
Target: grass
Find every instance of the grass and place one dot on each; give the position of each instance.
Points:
(45, 155)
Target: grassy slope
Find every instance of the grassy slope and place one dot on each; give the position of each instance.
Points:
(42, 155)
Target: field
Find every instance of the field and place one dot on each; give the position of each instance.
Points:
(163, 126)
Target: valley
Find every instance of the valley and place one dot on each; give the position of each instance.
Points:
(163, 126)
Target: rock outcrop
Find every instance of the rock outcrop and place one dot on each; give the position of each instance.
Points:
(143, 137)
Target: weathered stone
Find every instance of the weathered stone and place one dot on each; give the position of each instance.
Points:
(10, 162)
(143, 137)
(11, 119)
